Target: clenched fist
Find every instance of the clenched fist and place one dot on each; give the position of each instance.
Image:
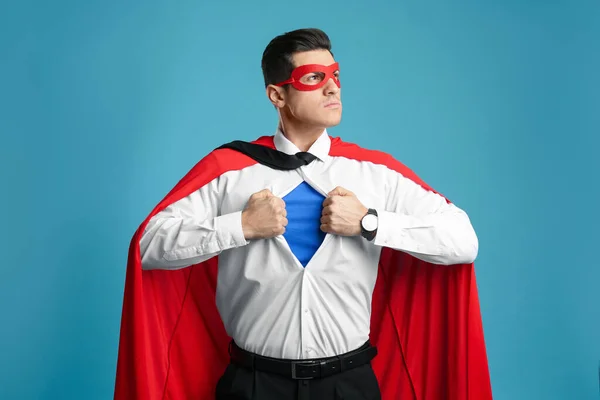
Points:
(264, 216)
(342, 213)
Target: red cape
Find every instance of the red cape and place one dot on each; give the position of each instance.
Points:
(426, 320)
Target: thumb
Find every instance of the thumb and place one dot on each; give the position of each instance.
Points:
(339, 191)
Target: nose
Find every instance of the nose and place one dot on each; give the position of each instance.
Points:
(331, 87)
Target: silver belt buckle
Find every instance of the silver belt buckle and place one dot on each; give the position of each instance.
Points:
(294, 376)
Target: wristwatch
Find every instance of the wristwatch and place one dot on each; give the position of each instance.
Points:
(368, 224)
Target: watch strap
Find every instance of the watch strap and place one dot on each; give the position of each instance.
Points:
(369, 235)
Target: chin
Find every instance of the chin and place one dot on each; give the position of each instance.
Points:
(325, 124)
(334, 122)
(322, 120)
(331, 121)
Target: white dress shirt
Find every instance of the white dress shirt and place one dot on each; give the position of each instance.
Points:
(269, 303)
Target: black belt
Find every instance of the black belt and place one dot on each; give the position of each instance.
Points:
(303, 369)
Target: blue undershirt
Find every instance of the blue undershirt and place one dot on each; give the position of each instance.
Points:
(303, 232)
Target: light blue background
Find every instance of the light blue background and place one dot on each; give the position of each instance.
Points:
(104, 105)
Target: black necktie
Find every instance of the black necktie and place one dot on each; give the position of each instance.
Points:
(306, 157)
(271, 157)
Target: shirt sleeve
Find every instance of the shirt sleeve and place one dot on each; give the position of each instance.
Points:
(190, 231)
(424, 224)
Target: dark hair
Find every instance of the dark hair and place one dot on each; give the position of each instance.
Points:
(277, 63)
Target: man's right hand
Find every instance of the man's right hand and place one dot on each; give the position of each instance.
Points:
(264, 216)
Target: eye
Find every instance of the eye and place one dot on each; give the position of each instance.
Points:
(312, 78)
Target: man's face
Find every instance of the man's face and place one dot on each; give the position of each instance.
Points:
(316, 108)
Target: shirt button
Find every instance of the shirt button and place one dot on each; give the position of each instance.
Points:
(306, 310)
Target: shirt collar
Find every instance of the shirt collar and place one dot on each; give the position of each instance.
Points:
(320, 147)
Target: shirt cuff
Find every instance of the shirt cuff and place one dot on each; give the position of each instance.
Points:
(229, 231)
(413, 235)
(391, 230)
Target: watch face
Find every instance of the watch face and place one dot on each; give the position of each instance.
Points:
(369, 222)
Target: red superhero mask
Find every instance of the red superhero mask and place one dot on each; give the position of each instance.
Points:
(319, 76)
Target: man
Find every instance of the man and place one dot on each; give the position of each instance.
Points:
(296, 227)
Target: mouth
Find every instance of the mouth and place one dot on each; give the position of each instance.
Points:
(333, 104)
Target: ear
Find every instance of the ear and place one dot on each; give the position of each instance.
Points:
(276, 95)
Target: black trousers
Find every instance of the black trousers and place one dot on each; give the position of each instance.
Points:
(240, 383)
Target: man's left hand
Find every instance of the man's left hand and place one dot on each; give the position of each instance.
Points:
(342, 213)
